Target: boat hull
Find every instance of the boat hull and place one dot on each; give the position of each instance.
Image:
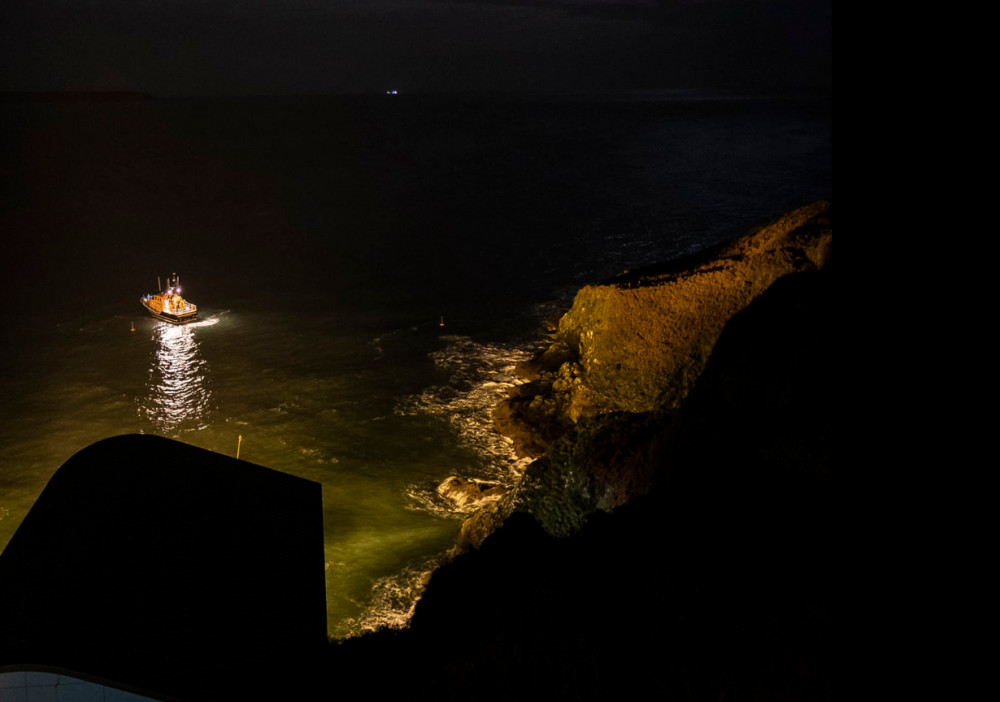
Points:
(169, 317)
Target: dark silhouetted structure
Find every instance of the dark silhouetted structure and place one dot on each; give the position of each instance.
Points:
(155, 566)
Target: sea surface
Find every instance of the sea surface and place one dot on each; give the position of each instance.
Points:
(368, 271)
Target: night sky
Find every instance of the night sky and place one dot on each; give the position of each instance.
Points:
(274, 47)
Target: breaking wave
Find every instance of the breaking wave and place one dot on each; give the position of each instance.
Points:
(479, 376)
(393, 601)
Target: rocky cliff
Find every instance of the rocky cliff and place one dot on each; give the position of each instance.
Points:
(622, 361)
(639, 342)
(674, 538)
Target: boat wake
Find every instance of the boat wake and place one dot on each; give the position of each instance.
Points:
(207, 321)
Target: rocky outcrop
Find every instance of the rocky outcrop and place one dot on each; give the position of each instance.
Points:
(601, 398)
(680, 554)
(600, 464)
(639, 342)
(466, 494)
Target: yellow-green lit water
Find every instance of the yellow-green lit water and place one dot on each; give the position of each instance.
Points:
(324, 241)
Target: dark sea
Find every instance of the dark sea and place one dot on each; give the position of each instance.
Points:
(368, 271)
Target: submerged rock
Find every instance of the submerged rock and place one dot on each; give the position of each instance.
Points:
(468, 493)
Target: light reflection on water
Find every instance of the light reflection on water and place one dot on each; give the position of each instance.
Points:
(177, 394)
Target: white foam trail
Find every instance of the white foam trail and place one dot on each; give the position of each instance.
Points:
(208, 321)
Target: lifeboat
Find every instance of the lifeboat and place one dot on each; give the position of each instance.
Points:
(168, 305)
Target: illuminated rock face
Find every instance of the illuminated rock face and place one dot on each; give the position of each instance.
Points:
(600, 399)
(638, 343)
(467, 494)
(643, 342)
(715, 583)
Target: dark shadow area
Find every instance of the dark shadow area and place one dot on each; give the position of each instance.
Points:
(191, 575)
(715, 586)
(173, 571)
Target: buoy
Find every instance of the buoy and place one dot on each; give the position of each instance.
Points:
(133, 326)
(441, 323)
